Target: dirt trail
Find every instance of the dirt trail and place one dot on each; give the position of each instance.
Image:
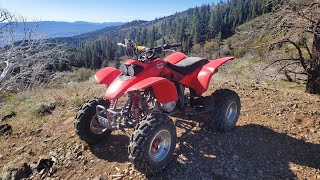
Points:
(278, 137)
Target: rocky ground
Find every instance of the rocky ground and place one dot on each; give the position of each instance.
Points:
(277, 137)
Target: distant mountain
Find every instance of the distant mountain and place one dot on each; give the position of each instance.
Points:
(52, 29)
(99, 34)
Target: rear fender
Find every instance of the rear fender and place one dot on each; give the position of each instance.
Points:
(218, 62)
(107, 75)
(207, 71)
(164, 90)
(199, 80)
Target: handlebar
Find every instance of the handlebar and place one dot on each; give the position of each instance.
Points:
(160, 49)
(175, 45)
(150, 52)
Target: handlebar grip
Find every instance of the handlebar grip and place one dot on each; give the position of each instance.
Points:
(174, 45)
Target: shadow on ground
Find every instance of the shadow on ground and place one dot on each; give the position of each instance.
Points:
(114, 149)
(248, 152)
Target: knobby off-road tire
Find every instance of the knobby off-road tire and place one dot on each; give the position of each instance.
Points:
(86, 123)
(226, 110)
(152, 143)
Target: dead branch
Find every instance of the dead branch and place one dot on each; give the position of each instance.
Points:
(308, 50)
(29, 60)
(295, 72)
(280, 60)
(302, 60)
(280, 70)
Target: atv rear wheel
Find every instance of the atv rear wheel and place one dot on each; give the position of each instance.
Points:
(86, 122)
(226, 110)
(152, 143)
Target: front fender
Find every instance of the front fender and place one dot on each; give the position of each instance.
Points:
(164, 90)
(107, 75)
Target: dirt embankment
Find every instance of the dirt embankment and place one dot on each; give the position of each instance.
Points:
(277, 137)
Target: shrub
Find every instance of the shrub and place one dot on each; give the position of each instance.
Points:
(211, 46)
(44, 109)
(83, 74)
(77, 101)
(196, 48)
(239, 53)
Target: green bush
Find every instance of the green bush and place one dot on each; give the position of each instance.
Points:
(239, 53)
(83, 74)
(77, 101)
(196, 48)
(211, 46)
(44, 109)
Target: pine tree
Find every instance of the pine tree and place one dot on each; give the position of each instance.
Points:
(196, 26)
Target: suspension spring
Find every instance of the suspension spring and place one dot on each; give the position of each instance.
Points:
(111, 106)
(135, 107)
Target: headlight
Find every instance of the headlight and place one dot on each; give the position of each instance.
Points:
(123, 68)
(134, 69)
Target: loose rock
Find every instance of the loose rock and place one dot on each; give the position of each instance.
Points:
(218, 172)
(9, 115)
(235, 157)
(44, 164)
(234, 176)
(16, 172)
(5, 129)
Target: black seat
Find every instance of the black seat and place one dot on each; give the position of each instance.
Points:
(188, 65)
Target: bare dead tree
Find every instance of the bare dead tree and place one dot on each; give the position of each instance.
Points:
(297, 27)
(27, 60)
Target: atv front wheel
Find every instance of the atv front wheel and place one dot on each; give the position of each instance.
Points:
(226, 112)
(86, 122)
(152, 143)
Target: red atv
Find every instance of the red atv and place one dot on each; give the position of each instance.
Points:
(156, 89)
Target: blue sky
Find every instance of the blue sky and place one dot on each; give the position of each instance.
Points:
(98, 10)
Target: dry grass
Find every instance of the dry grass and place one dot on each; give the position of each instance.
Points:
(29, 104)
(35, 136)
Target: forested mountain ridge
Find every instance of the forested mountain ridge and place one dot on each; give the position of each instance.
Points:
(53, 29)
(195, 28)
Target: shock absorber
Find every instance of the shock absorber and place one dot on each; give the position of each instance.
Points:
(135, 107)
(111, 106)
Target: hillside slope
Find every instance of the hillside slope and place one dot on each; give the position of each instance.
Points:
(255, 47)
(277, 137)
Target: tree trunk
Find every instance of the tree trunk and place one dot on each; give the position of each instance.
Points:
(313, 83)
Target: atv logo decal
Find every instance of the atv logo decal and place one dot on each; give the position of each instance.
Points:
(160, 65)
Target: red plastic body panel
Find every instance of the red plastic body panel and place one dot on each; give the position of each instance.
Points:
(158, 76)
(176, 57)
(164, 90)
(120, 85)
(171, 75)
(107, 75)
(200, 79)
